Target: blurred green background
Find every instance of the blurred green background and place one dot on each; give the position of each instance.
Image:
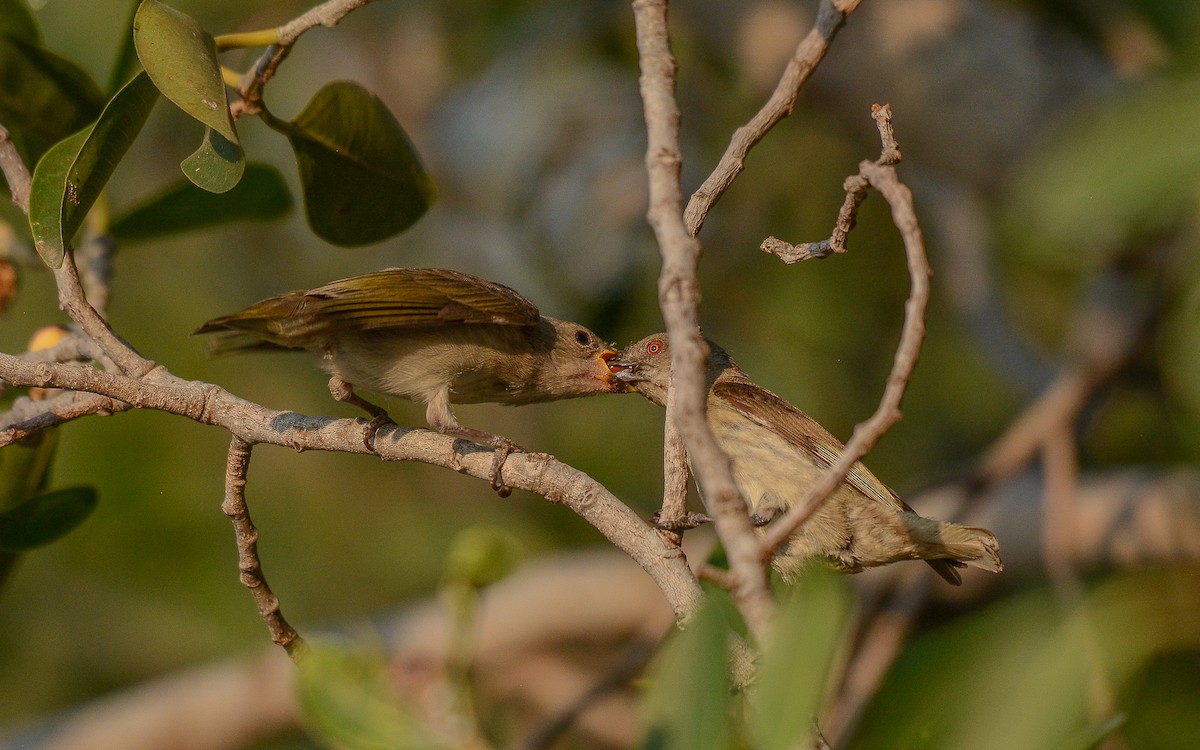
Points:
(1052, 147)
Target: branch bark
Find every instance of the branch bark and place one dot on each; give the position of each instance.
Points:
(678, 297)
(236, 465)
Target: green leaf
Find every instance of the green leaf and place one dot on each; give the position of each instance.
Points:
(217, 165)
(345, 698)
(70, 177)
(43, 98)
(181, 59)
(688, 705)
(794, 668)
(181, 207)
(45, 518)
(126, 62)
(363, 181)
(17, 21)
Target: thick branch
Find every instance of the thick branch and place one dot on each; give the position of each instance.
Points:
(678, 296)
(209, 404)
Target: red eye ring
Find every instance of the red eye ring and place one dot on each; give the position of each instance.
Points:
(654, 347)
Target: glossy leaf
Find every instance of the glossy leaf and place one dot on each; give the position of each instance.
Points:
(363, 181)
(261, 195)
(44, 98)
(181, 59)
(71, 175)
(16, 21)
(217, 165)
(794, 669)
(45, 518)
(687, 707)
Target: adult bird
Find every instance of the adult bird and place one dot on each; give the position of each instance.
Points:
(777, 452)
(430, 335)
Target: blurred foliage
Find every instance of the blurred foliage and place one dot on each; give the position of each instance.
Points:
(1038, 671)
(526, 114)
(690, 704)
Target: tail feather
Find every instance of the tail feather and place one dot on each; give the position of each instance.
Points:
(275, 323)
(953, 546)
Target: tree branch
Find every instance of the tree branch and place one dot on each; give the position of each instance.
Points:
(539, 473)
(16, 174)
(252, 576)
(831, 15)
(882, 176)
(250, 88)
(678, 297)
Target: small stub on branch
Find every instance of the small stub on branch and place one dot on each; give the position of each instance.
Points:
(789, 253)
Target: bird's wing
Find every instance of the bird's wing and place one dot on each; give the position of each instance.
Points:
(418, 297)
(773, 413)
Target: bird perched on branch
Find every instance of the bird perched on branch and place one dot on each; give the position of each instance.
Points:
(777, 452)
(430, 335)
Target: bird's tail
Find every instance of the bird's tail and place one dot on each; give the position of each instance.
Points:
(948, 546)
(275, 323)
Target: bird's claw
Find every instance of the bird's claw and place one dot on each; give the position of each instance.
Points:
(683, 523)
(758, 520)
(499, 456)
(372, 427)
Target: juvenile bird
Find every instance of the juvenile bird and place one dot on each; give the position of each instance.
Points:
(777, 452)
(430, 335)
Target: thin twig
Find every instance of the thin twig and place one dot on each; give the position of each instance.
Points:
(70, 292)
(831, 15)
(250, 88)
(252, 577)
(678, 297)
(883, 178)
(632, 664)
(675, 475)
(16, 174)
(857, 188)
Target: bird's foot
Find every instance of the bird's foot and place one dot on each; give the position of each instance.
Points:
(344, 392)
(683, 523)
(758, 520)
(499, 456)
(373, 427)
(502, 446)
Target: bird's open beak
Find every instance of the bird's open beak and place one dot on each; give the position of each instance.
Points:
(608, 355)
(619, 369)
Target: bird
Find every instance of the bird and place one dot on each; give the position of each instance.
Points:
(435, 336)
(777, 452)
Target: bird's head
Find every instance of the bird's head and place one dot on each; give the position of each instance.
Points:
(646, 365)
(579, 363)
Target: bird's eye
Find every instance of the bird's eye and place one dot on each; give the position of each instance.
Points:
(583, 338)
(654, 347)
